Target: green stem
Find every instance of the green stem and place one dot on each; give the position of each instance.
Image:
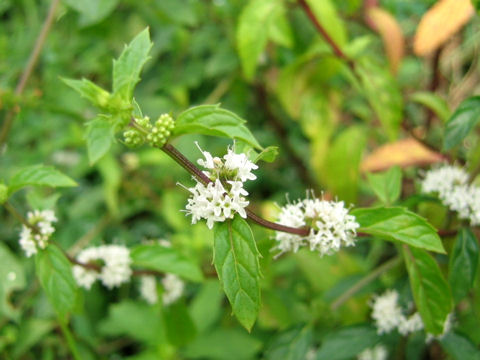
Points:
(365, 281)
(69, 337)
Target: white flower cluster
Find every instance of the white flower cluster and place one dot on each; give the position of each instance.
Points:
(378, 352)
(388, 316)
(113, 262)
(451, 184)
(36, 236)
(225, 195)
(331, 226)
(173, 288)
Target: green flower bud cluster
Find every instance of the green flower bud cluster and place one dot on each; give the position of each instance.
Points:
(144, 132)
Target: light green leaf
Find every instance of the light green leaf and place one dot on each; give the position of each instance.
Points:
(326, 14)
(92, 11)
(99, 138)
(111, 173)
(463, 264)
(434, 102)
(290, 345)
(387, 185)
(39, 175)
(462, 121)
(399, 224)
(31, 332)
(280, 31)
(430, 289)
(215, 121)
(3, 193)
(90, 91)
(236, 261)
(383, 94)
(346, 343)
(12, 277)
(205, 308)
(165, 259)
(179, 325)
(459, 347)
(268, 154)
(55, 274)
(127, 68)
(252, 32)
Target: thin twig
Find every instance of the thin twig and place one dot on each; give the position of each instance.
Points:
(336, 49)
(365, 281)
(434, 83)
(85, 239)
(176, 155)
(27, 72)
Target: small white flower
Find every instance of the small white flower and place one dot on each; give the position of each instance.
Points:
(173, 288)
(412, 324)
(447, 326)
(378, 352)
(444, 179)
(114, 262)
(331, 226)
(148, 289)
(241, 164)
(30, 240)
(386, 312)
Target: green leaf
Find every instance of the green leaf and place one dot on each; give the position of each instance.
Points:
(463, 264)
(92, 11)
(127, 68)
(236, 261)
(399, 224)
(223, 344)
(462, 121)
(434, 102)
(165, 259)
(3, 193)
(383, 94)
(252, 32)
(179, 325)
(99, 138)
(268, 154)
(111, 173)
(326, 14)
(55, 274)
(90, 91)
(31, 332)
(215, 121)
(205, 308)
(39, 175)
(346, 343)
(280, 31)
(135, 319)
(459, 347)
(290, 345)
(387, 185)
(430, 289)
(12, 278)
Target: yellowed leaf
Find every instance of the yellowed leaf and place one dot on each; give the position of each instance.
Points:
(443, 20)
(405, 152)
(391, 33)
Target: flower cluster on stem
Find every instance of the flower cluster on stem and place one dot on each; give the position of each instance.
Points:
(451, 184)
(111, 265)
(225, 195)
(40, 229)
(331, 226)
(143, 131)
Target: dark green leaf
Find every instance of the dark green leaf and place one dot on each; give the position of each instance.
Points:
(252, 32)
(90, 91)
(31, 332)
(127, 68)
(387, 185)
(165, 259)
(434, 102)
(39, 175)
(459, 347)
(55, 274)
(463, 264)
(430, 289)
(236, 261)
(462, 121)
(347, 343)
(137, 320)
(99, 138)
(399, 224)
(290, 345)
(13, 278)
(179, 325)
(223, 344)
(215, 121)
